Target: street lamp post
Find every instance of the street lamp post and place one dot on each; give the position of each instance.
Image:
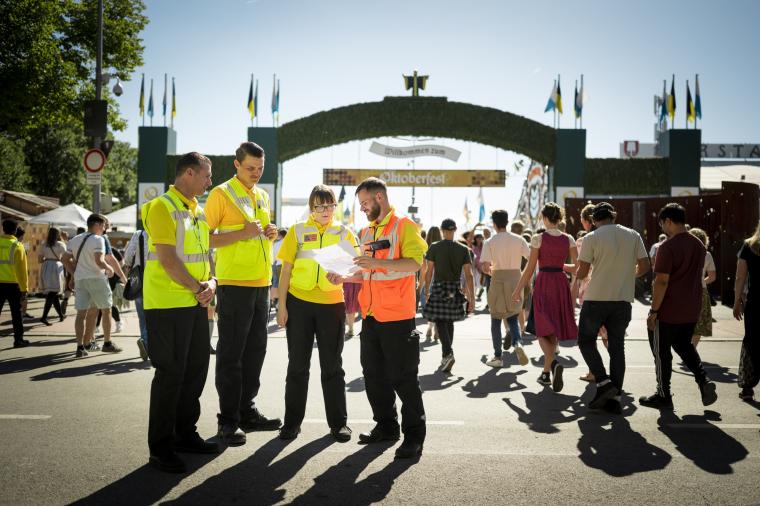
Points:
(98, 95)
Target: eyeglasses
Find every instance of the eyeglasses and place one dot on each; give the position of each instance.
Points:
(325, 207)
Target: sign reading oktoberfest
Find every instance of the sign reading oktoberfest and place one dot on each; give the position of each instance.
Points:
(414, 151)
(417, 177)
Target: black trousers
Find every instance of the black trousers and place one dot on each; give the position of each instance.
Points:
(390, 356)
(615, 316)
(446, 335)
(178, 347)
(12, 293)
(51, 300)
(678, 337)
(327, 322)
(240, 352)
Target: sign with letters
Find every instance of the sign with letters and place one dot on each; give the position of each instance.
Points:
(417, 177)
(728, 150)
(414, 151)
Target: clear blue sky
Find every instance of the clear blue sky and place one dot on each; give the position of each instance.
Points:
(502, 54)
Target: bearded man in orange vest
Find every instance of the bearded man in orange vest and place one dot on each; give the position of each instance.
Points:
(393, 251)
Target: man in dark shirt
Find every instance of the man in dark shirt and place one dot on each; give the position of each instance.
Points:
(445, 305)
(676, 303)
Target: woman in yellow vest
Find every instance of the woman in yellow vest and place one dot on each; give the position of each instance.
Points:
(310, 306)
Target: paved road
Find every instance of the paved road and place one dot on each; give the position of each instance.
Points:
(74, 430)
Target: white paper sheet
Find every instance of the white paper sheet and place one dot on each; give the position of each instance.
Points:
(336, 258)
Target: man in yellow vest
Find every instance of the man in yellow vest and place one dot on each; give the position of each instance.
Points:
(14, 279)
(390, 344)
(239, 211)
(177, 287)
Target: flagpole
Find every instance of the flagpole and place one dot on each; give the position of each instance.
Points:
(687, 104)
(150, 103)
(575, 106)
(163, 105)
(582, 102)
(171, 119)
(696, 80)
(142, 90)
(256, 102)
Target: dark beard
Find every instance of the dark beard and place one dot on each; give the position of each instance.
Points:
(373, 214)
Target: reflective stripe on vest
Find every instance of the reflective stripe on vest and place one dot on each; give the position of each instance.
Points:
(179, 218)
(248, 259)
(7, 272)
(160, 291)
(307, 274)
(387, 295)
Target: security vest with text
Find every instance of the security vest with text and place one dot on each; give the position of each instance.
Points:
(387, 295)
(249, 259)
(160, 291)
(307, 273)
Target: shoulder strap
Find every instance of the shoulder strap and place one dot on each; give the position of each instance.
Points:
(79, 251)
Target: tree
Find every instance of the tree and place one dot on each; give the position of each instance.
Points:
(14, 173)
(47, 58)
(120, 173)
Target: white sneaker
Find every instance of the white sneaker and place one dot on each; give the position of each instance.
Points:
(495, 362)
(119, 327)
(522, 358)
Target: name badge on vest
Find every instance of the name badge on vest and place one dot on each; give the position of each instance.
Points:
(310, 237)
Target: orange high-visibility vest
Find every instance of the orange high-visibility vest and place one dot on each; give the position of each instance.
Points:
(388, 295)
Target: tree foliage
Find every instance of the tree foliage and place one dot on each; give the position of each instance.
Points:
(14, 173)
(47, 72)
(47, 58)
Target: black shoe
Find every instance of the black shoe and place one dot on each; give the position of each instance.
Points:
(557, 383)
(258, 422)
(169, 463)
(211, 350)
(196, 444)
(45, 321)
(409, 449)
(288, 433)
(657, 401)
(341, 434)
(709, 396)
(231, 435)
(545, 379)
(21, 344)
(603, 394)
(613, 406)
(378, 435)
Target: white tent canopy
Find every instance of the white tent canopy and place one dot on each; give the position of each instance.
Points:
(67, 217)
(125, 219)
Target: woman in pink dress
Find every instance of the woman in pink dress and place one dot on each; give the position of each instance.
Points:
(553, 310)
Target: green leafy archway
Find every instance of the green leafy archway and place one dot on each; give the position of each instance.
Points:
(419, 116)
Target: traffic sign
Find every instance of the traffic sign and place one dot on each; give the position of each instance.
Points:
(94, 160)
(94, 177)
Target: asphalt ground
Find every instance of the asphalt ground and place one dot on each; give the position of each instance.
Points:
(74, 430)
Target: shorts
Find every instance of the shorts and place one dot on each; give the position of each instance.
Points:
(93, 292)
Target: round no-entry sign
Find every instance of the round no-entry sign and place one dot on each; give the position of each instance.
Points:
(94, 160)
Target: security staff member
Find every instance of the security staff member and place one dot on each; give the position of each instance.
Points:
(14, 279)
(177, 285)
(390, 354)
(312, 306)
(239, 211)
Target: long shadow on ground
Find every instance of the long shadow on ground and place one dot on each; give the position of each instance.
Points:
(609, 444)
(144, 485)
(105, 368)
(709, 447)
(546, 409)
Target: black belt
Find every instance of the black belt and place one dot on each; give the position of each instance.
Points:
(551, 269)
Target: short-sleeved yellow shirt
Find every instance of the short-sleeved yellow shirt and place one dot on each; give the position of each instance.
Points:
(288, 252)
(159, 224)
(220, 211)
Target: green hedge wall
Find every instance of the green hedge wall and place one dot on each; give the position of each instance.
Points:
(422, 116)
(627, 176)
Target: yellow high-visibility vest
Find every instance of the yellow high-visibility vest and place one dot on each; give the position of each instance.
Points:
(307, 274)
(7, 259)
(160, 291)
(249, 259)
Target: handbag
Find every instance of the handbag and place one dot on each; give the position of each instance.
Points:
(133, 288)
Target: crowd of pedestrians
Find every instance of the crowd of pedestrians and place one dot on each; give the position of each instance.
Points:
(229, 261)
